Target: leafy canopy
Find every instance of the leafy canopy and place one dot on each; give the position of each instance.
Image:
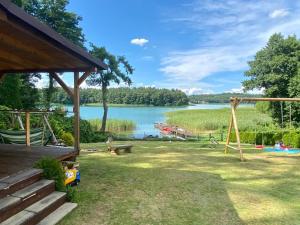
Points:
(276, 69)
(118, 68)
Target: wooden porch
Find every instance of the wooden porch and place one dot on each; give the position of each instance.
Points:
(15, 158)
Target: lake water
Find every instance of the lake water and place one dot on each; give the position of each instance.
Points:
(144, 117)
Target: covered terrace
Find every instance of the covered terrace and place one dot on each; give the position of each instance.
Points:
(29, 46)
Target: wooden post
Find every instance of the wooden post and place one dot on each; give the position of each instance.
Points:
(20, 122)
(76, 102)
(27, 118)
(2, 75)
(236, 129)
(229, 133)
(50, 129)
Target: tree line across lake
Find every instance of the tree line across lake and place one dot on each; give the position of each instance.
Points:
(218, 98)
(125, 95)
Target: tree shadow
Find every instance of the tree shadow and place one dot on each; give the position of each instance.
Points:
(155, 195)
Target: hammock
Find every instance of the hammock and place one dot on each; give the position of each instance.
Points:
(38, 136)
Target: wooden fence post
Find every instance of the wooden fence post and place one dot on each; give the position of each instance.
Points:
(27, 118)
(76, 102)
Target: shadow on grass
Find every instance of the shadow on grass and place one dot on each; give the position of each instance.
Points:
(141, 194)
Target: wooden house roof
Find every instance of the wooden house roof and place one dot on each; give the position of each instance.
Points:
(27, 45)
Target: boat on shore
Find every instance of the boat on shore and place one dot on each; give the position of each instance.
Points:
(174, 131)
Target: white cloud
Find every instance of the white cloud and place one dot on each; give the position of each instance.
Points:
(235, 90)
(278, 13)
(139, 41)
(256, 91)
(230, 33)
(195, 91)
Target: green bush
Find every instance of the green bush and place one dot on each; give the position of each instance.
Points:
(296, 140)
(72, 194)
(292, 139)
(67, 138)
(52, 170)
(232, 137)
(4, 118)
(287, 139)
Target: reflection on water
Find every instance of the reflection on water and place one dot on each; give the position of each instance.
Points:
(144, 117)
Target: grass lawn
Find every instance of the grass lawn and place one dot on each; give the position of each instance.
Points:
(186, 183)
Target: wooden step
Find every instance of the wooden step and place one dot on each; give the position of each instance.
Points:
(21, 199)
(58, 214)
(38, 211)
(18, 181)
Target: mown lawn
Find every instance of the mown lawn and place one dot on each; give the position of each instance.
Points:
(186, 183)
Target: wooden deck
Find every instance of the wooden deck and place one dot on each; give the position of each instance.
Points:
(15, 158)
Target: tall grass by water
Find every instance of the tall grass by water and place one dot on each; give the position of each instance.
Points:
(113, 125)
(201, 120)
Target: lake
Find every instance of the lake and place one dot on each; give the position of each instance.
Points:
(143, 116)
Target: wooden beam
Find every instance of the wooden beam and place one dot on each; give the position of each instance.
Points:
(3, 15)
(62, 84)
(27, 119)
(85, 75)
(54, 140)
(232, 99)
(2, 75)
(236, 129)
(76, 110)
(229, 133)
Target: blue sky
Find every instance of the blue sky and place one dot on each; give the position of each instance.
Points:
(199, 46)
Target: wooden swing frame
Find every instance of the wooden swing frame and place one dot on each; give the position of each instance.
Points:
(235, 101)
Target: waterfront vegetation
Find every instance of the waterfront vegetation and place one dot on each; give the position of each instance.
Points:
(113, 126)
(174, 183)
(207, 120)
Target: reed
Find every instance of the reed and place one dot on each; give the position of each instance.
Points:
(113, 125)
(201, 120)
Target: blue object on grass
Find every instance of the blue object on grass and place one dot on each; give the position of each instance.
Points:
(289, 151)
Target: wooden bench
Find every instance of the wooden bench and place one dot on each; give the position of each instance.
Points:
(115, 149)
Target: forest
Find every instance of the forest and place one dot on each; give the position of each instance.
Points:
(125, 95)
(218, 98)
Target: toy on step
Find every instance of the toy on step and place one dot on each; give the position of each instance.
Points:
(72, 173)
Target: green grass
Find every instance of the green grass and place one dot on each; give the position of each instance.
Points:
(178, 183)
(200, 120)
(113, 125)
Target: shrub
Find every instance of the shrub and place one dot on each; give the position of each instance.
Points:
(67, 138)
(4, 118)
(72, 194)
(287, 139)
(52, 170)
(296, 140)
(292, 139)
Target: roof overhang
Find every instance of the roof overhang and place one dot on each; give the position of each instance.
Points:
(27, 45)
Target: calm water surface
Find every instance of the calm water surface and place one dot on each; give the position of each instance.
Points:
(144, 117)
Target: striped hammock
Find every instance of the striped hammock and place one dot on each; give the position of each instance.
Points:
(37, 137)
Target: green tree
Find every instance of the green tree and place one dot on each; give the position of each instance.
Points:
(54, 14)
(275, 70)
(118, 70)
(18, 91)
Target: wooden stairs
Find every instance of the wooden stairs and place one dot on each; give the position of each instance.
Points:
(26, 198)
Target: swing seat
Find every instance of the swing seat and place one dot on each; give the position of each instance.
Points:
(37, 137)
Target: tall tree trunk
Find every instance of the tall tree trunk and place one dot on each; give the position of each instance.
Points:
(105, 107)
